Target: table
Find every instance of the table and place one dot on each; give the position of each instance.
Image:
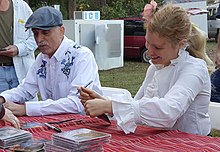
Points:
(143, 140)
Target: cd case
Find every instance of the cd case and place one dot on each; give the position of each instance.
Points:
(82, 135)
(29, 146)
(82, 139)
(28, 125)
(11, 136)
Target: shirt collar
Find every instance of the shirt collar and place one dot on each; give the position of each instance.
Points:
(181, 55)
(60, 51)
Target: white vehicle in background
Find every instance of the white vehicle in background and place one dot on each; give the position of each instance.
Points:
(197, 10)
(213, 22)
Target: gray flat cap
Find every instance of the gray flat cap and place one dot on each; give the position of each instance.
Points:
(45, 18)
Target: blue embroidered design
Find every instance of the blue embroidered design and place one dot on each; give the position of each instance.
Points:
(42, 71)
(76, 46)
(67, 63)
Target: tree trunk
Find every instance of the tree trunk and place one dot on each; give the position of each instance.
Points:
(71, 8)
(103, 3)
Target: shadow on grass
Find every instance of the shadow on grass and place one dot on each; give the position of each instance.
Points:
(215, 133)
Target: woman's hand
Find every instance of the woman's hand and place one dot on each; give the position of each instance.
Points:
(88, 94)
(96, 107)
(10, 117)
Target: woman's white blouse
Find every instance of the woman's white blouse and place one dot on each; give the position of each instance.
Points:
(172, 97)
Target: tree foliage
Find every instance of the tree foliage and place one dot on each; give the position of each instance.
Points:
(109, 8)
(122, 8)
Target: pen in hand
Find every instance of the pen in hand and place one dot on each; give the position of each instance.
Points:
(52, 127)
(84, 86)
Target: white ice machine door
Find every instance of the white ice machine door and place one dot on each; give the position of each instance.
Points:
(87, 36)
(108, 40)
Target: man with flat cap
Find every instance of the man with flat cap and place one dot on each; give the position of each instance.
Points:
(59, 69)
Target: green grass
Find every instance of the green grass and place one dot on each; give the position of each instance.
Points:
(129, 77)
(215, 133)
(211, 49)
(132, 74)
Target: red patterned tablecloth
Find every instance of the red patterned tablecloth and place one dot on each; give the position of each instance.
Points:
(143, 140)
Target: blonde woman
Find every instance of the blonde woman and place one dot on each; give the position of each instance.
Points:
(176, 91)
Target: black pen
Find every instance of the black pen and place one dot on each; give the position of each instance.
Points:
(52, 127)
(85, 86)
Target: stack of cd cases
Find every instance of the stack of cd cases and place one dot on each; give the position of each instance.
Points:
(10, 136)
(82, 139)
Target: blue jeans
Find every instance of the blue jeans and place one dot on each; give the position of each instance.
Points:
(8, 78)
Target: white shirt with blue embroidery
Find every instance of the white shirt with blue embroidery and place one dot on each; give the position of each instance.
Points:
(57, 79)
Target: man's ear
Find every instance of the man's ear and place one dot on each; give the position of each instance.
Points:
(62, 30)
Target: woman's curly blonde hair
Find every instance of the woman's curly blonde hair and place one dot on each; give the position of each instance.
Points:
(172, 22)
(197, 46)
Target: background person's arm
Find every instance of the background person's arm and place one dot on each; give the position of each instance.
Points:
(217, 62)
(7, 115)
(2, 110)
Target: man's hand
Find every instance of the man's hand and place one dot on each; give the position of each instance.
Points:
(17, 109)
(10, 51)
(11, 118)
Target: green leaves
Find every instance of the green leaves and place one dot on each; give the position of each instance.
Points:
(109, 8)
(122, 8)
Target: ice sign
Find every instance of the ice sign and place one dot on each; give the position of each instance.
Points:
(91, 15)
